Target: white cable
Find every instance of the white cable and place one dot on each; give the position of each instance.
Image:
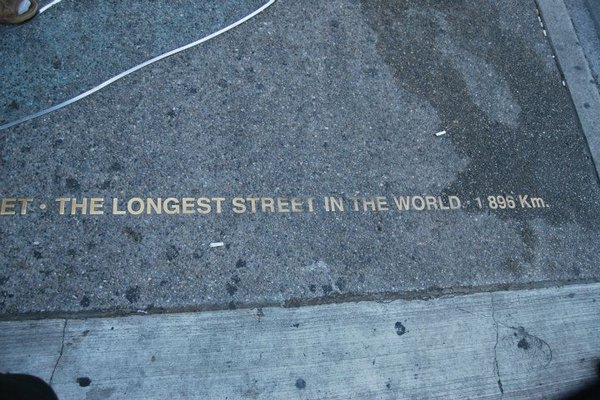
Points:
(47, 6)
(133, 69)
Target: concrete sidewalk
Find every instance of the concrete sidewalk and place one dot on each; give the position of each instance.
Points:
(538, 344)
(308, 102)
(349, 157)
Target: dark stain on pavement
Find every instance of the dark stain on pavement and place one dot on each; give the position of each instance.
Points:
(232, 285)
(172, 252)
(132, 294)
(535, 346)
(523, 344)
(72, 184)
(115, 167)
(548, 155)
(85, 301)
(400, 329)
(84, 381)
(132, 234)
(300, 383)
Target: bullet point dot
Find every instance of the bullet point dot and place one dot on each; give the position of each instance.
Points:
(42, 206)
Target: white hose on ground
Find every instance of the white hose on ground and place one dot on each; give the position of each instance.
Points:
(132, 69)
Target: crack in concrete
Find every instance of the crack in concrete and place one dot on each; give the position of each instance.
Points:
(496, 366)
(60, 354)
(518, 329)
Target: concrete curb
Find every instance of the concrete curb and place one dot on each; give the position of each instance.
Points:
(533, 344)
(576, 71)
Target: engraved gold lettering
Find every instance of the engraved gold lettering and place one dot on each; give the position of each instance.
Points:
(187, 205)
(219, 201)
(203, 205)
(82, 206)
(253, 201)
(368, 204)
(402, 203)
(171, 206)
(296, 204)
(96, 206)
(23, 204)
(538, 202)
(115, 207)
(454, 202)
(135, 206)
(62, 204)
(381, 203)
(238, 205)
(283, 205)
(334, 203)
(420, 201)
(310, 201)
(442, 205)
(431, 202)
(267, 203)
(154, 206)
(7, 206)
